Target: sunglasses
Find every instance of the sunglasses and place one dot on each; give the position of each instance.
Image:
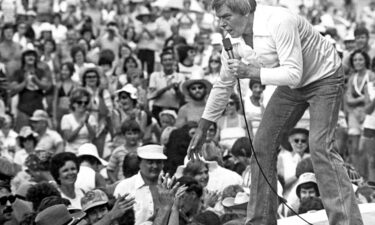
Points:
(193, 88)
(216, 61)
(5, 199)
(231, 103)
(82, 102)
(124, 97)
(303, 141)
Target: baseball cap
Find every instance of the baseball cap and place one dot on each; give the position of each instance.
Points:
(151, 152)
(92, 199)
(39, 115)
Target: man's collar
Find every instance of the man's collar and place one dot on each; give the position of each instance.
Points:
(139, 182)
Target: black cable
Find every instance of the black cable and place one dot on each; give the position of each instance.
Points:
(256, 158)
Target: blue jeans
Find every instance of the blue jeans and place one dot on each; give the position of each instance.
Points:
(283, 111)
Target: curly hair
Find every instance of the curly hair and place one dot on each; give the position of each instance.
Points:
(38, 192)
(58, 161)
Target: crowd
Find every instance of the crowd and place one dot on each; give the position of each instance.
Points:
(99, 100)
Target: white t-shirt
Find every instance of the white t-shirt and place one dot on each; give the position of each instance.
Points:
(69, 122)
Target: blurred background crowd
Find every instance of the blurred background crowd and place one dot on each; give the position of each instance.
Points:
(99, 100)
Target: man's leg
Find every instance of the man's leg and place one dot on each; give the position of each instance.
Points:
(283, 111)
(335, 188)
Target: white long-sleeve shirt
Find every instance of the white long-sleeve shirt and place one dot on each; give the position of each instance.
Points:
(290, 51)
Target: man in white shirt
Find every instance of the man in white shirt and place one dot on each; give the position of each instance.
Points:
(288, 53)
(140, 185)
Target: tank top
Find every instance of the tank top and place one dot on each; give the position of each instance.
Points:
(228, 135)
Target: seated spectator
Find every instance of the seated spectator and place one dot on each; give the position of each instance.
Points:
(127, 109)
(151, 164)
(27, 140)
(241, 152)
(48, 139)
(131, 132)
(95, 205)
(195, 92)
(310, 204)
(287, 161)
(78, 127)
(186, 66)
(64, 169)
(167, 121)
(88, 177)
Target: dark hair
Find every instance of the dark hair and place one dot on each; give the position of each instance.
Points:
(70, 66)
(304, 166)
(130, 125)
(241, 147)
(106, 57)
(26, 53)
(241, 7)
(126, 46)
(127, 59)
(183, 52)
(191, 184)
(6, 27)
(236, 100)
(361, 30)
(126, 33)
(364, 54)
(75, 49)
(91, 70)
(307, 185)
(310, 203)
(78, 94)
(88, 158)
(194, 167)
(23, 139)
(253, 82)
(166, 51)
(130, 165)
(52, 42)
(58, 161)
(38, 192)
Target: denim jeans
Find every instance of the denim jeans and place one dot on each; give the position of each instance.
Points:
(283, 111)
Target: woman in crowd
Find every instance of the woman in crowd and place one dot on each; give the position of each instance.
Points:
(27, 140)
(254, 107)
(78, 127)
(50, 57)
(101, 105)
(213, 69)
(64, 169)
(78, 55)
(127, 109)
(124, 52)
(64, 87)
(355, 101)
(231, 125)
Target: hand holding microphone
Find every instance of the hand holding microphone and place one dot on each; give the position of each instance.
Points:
(238, 68)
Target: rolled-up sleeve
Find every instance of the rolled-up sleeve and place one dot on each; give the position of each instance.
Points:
(220, 92)
(288, 46)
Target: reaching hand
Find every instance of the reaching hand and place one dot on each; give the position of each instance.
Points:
(196, 143)
(122, 204)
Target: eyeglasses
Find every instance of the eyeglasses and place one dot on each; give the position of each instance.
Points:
(198, 87)
(303, 141)
(230, 103)
(85, 103)
(5, 199)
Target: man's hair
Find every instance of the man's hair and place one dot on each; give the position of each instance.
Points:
(361, 31)
(241, 7)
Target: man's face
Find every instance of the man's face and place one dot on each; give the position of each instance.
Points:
(5, 205)
(168, 61)
(39, 126)
(151, 168)
(308, 192)
(96, 214)
(233, 23)
(197, 91)
(361, 41)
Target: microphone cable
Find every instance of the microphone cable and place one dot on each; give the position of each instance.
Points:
(283, 201)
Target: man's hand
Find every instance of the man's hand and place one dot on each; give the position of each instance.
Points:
(196, 143)
(122, 204)
(242, 70)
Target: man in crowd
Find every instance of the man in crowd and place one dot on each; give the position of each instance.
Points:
(48, 140)
(164, 85)
(273, 45)
(195, 92)
(140, 185)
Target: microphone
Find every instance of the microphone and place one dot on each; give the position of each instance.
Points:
(228, 47)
